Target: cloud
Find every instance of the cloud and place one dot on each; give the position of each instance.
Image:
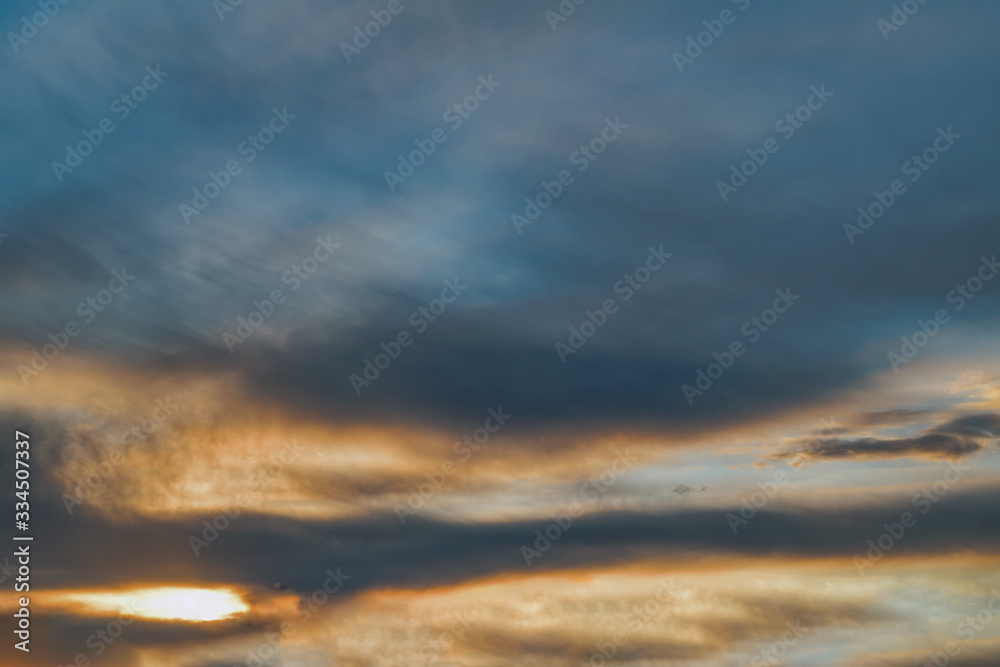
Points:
(952, 440)
(929, 446)
(325, 177)
(984, 425)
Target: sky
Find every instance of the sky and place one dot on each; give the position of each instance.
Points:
(500, 333)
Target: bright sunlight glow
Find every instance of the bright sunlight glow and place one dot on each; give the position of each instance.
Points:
(166, 604)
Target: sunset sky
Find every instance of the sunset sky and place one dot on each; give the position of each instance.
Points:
(396, 332)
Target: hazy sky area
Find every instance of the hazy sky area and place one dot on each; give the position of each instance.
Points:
(487, 333)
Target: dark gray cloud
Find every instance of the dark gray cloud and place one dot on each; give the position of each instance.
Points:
(956, 438)
(656, 185)
(983, 425)
(976, 654)
(932, 444)
(380, 552)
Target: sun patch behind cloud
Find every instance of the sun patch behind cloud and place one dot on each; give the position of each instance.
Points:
(166, 604)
